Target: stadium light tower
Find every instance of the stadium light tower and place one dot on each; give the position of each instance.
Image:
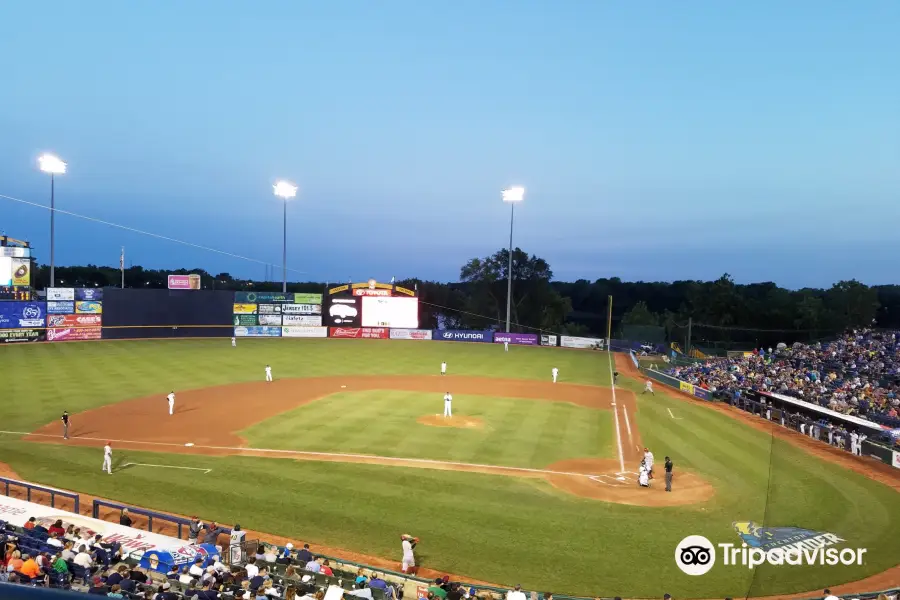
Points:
(513, 196)
(53, 165)
(284, 190)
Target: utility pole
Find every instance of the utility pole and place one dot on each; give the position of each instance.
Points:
(688, 344)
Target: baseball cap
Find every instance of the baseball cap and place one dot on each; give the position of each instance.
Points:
(166, 586)
(289, 546)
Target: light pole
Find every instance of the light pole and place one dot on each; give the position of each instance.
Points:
(284, 190)
(53, 165)
(513, 195)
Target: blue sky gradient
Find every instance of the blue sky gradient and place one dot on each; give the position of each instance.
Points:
(657, 141)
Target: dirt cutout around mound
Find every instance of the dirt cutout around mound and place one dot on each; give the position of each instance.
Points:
(460, 421)
(206, 421)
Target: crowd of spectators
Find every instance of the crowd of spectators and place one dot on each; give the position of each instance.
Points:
(857, 374)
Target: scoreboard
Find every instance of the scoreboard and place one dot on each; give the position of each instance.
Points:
(15, 292)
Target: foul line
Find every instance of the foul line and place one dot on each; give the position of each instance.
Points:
(672, 415)
(616, 413)
(166, 467)
(373, 457)
(627, 425)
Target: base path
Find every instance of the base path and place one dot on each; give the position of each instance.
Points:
(208, 419)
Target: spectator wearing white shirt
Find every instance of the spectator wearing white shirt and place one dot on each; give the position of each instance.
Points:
(516, 594)
(185, 577)
(196, 569)
(829, 595)
(251, 568)
(83, 559)
(270, 555)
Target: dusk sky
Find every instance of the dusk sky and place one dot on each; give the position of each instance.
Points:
(656, 140)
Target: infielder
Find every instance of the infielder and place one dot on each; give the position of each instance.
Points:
(171, 399)
(555, 373)
(65, 422)
(443, 368)
(234, 342)
(448, 408)
(107, 458)
(268, 373)
(648, 461)
(648, 387)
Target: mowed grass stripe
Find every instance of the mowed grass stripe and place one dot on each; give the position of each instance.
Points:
(516, 432)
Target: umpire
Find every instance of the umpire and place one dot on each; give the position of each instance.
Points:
(668, 474)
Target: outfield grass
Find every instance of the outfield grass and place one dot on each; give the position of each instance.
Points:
(515, 432)
(493, 528)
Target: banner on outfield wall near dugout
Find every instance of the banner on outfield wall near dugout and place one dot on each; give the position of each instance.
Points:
(60, 293)
(245, 320)
(56, 307)
(304, 332)
(568, 341)
(244, 309)
(269, 309)
(94, 294)
(262, 298)
(270, 320)
(523, 339)
(301, 309)
(21, 335)
(410, 334)
(303, 320)
(896, 456)
(372, 333)
(134, 541)
(69, 334)
(23, 315)
(88, 308)
(74, 320)
(260, 331)
(696, 391)
(549, 340)
(462, 335)
(308, 299)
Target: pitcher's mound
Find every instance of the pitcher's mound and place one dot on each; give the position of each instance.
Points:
(460, 421)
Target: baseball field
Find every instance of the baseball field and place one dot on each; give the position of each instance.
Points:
(529, 482)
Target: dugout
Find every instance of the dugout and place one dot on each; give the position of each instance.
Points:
(137, 313)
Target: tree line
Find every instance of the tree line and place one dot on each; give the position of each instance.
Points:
(716, 312)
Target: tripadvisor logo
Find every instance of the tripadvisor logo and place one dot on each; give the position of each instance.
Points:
(696, 555)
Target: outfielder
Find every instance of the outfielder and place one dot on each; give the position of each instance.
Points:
(443, 368)
(171, 399)
(448, 402)
(233, 342)
(555, 373)
(268, 373)
(648, 387)
(506, 346)
(107, 458)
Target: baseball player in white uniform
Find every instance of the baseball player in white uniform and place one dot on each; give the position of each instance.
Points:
(648, 388)
(643, 476)
(268, 373)
(443, 368)
(171, 399)
(409, 558)
(448, 402)
(555, 373)
(506, 346)
(107, 458)
(233, 342)
(648, 462)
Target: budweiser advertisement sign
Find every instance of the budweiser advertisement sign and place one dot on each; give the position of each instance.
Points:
(372, 333)
(74, 320)
(184, 282)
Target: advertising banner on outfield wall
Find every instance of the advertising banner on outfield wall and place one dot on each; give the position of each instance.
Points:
(896, 462)
(262, 298)
(270, 320)
(95, 294)
(308, 299)
(257, 331)
(269, 309)
(372, 333)
(305, 332)
(21, 335)
(245, 320)
(60, 293)
(88, 308)
(549, 340)
(568, 341)
(55, 307)
(69, 334)
(184, 282)
(685, 387)
(524, 339)
(410, 334)
(303, 320)
(23, 315)
(74, 320)
(462, 335)
(301, 309)
(244, 309)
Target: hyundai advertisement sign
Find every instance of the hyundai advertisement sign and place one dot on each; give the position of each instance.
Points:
(462, 335)
(526, 339)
